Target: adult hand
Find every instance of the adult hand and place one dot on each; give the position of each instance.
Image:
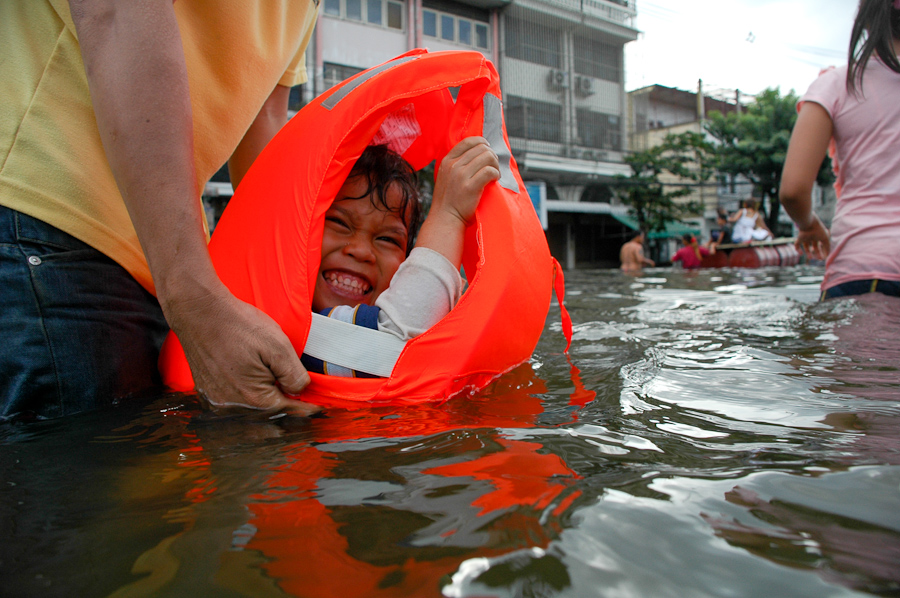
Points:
(814, 241)
(238, 355)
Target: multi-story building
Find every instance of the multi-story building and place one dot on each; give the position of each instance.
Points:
(561, 68)
(656, 111)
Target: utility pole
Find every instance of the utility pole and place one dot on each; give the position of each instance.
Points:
(701, 105)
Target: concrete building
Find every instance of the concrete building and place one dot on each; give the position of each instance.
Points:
(656, 111)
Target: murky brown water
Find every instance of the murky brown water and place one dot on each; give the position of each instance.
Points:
(712, 433)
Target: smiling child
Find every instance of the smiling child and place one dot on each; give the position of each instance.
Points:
(367, 275)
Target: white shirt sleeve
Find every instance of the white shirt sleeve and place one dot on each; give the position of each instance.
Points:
(424, 290)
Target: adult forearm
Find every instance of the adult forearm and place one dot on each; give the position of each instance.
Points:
(139, 88)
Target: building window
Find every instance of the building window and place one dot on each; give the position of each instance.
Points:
(533, 43)
(429, 23)
(598, 59)
(354, 10)
(464, 32)
(599, 130)
(332, 74)
(531, 119)
(295, 98)
(373, 8)
(384, 13)
(448, 28)
(481, 35)
(394, 15)
(455, 29)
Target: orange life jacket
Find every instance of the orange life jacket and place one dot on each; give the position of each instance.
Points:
(267, 245)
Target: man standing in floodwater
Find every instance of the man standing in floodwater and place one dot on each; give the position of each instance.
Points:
(632, 254)
(113, 117)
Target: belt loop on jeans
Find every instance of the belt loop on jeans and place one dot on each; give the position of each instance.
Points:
(874, 287)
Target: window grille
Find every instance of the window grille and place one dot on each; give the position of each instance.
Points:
(599, 130)
(533, 119)
(598, 59)
(533, 43)
(332, 74)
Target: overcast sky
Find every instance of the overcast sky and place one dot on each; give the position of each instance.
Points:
(737, 44)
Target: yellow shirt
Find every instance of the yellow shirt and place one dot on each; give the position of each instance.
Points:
(52, 164)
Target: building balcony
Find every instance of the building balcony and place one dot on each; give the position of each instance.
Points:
(620, 13)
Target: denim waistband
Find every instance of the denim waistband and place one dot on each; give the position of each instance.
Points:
(17, 227)
(861, 287)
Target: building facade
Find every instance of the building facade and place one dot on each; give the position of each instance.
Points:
(561, 65)
(655, 112)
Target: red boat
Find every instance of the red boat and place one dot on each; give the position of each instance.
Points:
(757, 254)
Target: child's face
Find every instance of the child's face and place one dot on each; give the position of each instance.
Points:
(362, 247)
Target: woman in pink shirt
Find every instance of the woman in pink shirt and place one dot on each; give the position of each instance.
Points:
(691, 255)
(853, 111)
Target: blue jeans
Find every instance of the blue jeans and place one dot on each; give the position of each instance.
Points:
(76, 330)
(861, 287)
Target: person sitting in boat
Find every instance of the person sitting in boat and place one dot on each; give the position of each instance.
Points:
(722, 235)
(367, 275)
(691, 255)
(749, 225)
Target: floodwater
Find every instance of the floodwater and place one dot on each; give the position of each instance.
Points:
(711, 433)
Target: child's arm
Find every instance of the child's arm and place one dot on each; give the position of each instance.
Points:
(427, 285)
(461, 179)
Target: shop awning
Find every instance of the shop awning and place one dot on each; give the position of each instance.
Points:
(673, 229)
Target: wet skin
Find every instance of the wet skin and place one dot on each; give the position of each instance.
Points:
(362, 247)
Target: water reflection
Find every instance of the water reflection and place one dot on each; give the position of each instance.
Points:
(711, 433)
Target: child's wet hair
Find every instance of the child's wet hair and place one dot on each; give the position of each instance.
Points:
(382, 168)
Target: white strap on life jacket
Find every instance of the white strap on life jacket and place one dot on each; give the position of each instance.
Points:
(354, 347)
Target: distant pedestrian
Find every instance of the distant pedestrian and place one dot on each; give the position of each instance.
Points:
(691, 255)
(854, 111)
(632, 254)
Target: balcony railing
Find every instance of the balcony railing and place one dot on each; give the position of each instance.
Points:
(616, 11)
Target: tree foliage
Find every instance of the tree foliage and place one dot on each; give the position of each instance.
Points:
(754, 144)
(653, 202)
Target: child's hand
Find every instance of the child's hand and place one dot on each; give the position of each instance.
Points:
(462, 177)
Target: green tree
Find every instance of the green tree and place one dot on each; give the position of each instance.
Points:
(654, 203)
(754, 144)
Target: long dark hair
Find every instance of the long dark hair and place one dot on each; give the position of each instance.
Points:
(382, 168)
(877, 24)
(691, 241)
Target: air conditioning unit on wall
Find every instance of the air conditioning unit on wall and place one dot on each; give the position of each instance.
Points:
(558, 79)
(585, 86)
